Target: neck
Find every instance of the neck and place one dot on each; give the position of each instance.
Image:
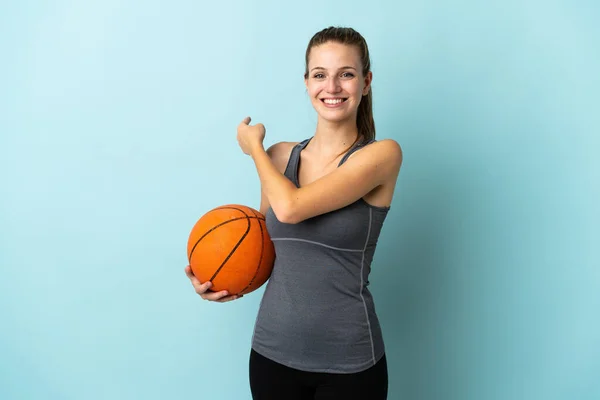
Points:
(333, 138)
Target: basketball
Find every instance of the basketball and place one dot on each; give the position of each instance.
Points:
(230, 246)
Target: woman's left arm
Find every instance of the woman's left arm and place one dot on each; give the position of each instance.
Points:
(375, 165)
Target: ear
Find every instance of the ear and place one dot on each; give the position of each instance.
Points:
(368, 80)
(306, 82)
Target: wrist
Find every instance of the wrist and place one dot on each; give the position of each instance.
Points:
(256, 149)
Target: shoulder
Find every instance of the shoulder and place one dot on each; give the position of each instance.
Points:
(383, 158)
(390, 147)
(386, 151)
(280, 153)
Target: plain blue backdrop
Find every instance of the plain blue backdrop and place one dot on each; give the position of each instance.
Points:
(117, 132)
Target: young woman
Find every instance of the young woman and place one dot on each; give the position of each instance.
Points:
(325, 199)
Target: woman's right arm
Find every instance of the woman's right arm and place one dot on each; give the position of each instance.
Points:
(280, 154)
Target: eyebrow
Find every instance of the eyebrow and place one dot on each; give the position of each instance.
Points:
(321, 68)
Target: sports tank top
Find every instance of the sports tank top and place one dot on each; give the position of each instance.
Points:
(317, 313)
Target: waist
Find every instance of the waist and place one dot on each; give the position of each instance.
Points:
(312, 333)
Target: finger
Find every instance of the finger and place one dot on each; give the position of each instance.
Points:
(230, 298)
(246, 120)
(190, 274)
(188, 271)
(214, 296)
(201, 289)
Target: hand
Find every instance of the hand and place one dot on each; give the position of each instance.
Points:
(203, 289)
(250, 137)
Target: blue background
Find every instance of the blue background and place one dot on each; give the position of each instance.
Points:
(117, 132)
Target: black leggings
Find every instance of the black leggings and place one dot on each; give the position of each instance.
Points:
(272, 381)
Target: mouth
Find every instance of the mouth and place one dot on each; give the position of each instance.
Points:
(334, 101)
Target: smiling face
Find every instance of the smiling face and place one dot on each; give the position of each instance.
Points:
(335, 81)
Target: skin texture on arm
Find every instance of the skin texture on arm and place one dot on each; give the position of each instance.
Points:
(375, 165)
(279, 154)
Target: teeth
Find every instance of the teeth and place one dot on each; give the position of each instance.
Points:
(332, 101)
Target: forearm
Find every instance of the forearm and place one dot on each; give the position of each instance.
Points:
(279, 190)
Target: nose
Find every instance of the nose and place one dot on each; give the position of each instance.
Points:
(333, 85)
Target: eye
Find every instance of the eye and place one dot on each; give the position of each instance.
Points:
(318, 76)
(347, 75)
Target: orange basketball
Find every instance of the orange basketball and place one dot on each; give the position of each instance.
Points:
(230, 247)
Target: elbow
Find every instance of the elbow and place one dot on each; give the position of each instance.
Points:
(289, 219)
(286, 213)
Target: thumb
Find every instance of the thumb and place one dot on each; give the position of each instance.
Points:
(246, 120)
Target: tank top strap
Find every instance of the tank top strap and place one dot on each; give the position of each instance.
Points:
(291, 170)
(357, 146)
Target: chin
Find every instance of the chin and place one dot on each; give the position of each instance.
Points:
(334, 118)
(333, 115)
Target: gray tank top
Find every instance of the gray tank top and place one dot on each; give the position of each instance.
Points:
(317, 313)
